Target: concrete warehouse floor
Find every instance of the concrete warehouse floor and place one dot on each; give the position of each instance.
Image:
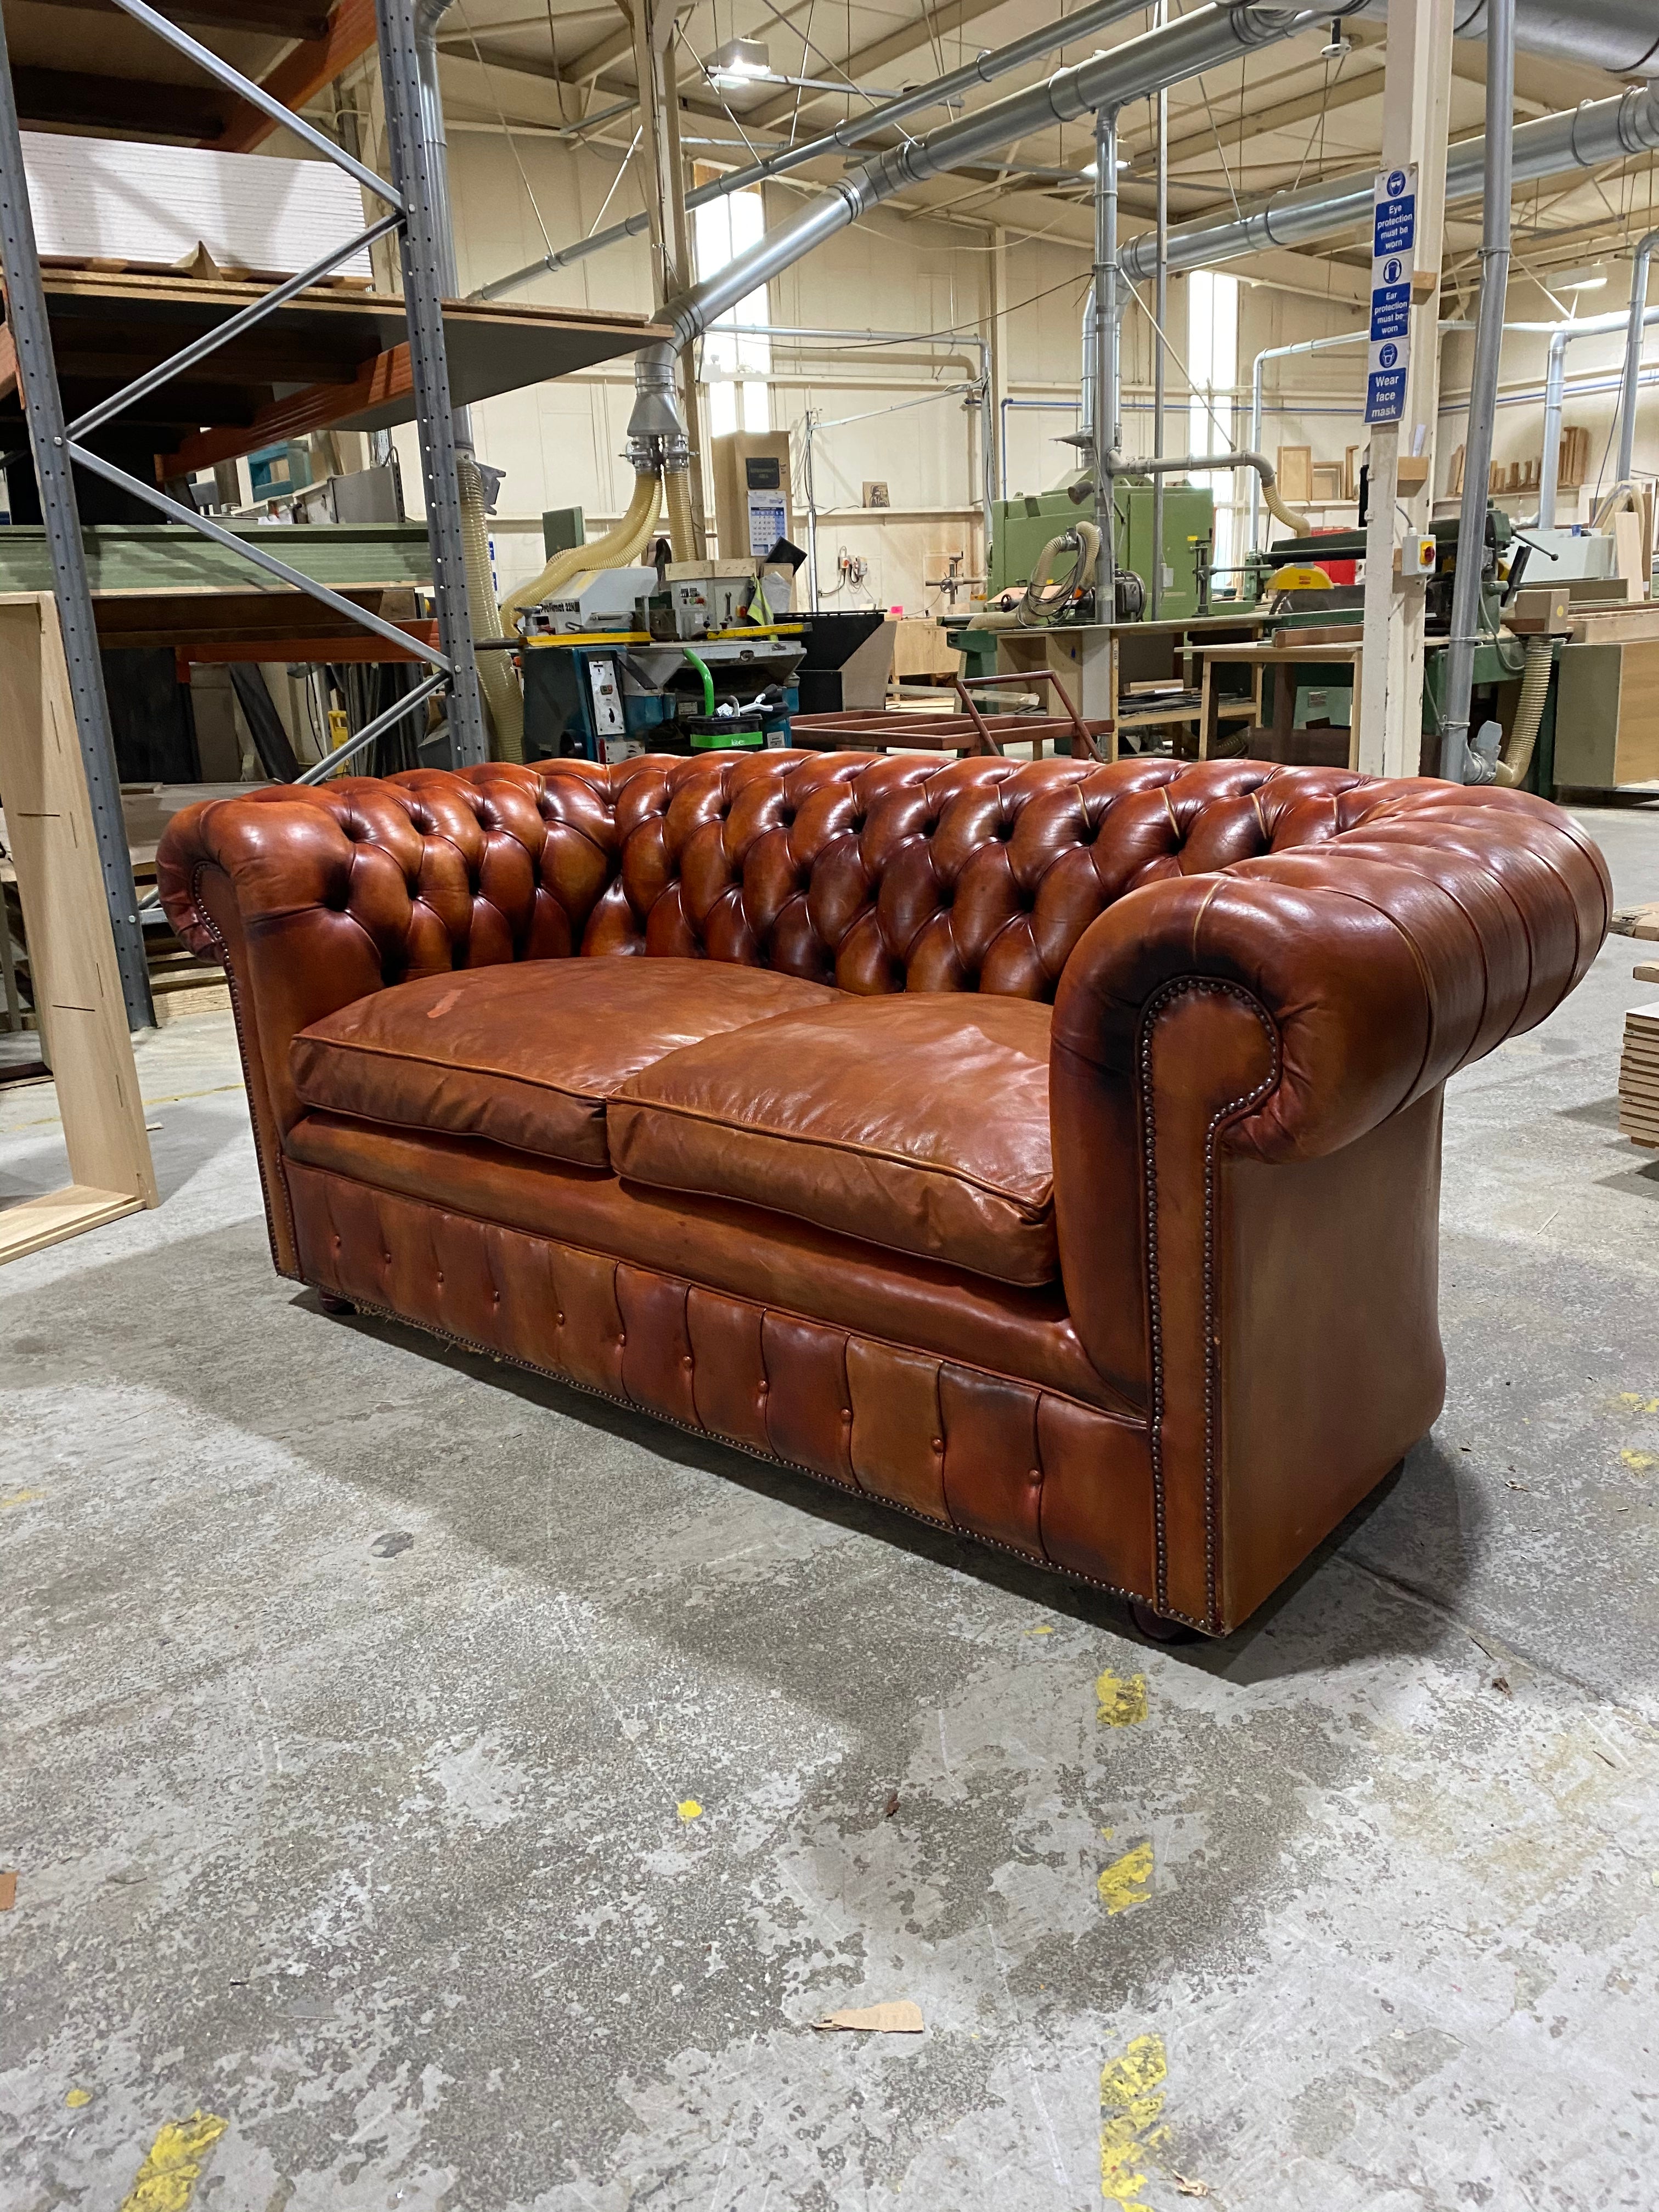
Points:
(360, 1698)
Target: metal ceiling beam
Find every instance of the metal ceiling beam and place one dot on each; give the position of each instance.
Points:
(300, 76)
(136, 107)
(1351, 87)
(869, 61)
(272, 19)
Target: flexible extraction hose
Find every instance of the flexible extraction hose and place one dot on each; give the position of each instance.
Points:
(1534, 690)
(615, 549)
(1045, 595)
(702, 667)
(682, 520)
(1297, 525)
(496, 680)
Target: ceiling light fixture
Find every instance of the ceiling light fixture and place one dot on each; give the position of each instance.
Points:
(739, 61)
(1582, 280)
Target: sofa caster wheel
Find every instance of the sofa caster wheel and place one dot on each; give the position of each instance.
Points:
(1158, 1627)
(331, 1304)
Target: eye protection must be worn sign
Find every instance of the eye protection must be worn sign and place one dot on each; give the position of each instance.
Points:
(1394, 243)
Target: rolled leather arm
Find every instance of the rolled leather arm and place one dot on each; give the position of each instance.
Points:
(1385, 958)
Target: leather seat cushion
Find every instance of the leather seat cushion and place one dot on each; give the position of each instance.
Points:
(527, 1053)
(917, 1121)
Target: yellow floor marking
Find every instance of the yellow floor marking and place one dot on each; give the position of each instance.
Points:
(76, 2098)
(1127, 1881)
(1131, 2104)
(1123, 1699)
(1637, 1403)
(22, 1498)
(689, 1809)
(1045, 1630)
(1639, 1462)
(166, 2180)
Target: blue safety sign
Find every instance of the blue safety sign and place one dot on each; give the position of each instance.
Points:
(1393, 241)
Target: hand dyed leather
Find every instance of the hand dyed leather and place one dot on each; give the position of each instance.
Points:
(525, 1054)
(914, 1121)
(1260, 979)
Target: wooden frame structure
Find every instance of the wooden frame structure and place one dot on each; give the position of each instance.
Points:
(77, 983)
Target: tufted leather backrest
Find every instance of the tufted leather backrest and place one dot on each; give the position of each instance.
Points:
(876, 873)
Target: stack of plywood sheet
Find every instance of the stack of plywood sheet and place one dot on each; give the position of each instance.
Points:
(1639, 1078)
(121, 205)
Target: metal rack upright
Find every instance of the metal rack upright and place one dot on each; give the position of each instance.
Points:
(58, 447)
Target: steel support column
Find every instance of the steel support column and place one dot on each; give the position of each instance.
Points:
(1416, 99)
(422, 267)
(43, 409)
(1161, 317)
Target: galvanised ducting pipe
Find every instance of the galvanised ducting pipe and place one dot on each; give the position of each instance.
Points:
(1458, 763)
(497, 682)
(1105, 365)
(1638, 301)
(1000, 61)
(1210, 37)
(1620, 36)
(1555, 393)
(1601, 130)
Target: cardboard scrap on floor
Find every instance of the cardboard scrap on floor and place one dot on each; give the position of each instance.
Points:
(7, 1892)
(898, 2018)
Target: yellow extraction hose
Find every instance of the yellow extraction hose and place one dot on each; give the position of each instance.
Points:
(615, 549)
(496, 679)
(1534, 690)
(1297, 525)
(682, 522)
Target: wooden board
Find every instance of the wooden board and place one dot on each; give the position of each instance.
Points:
(1631, 552)
(1606, 724)
(77, 986)
(1296, 477)
(35, 1223)
(920, 649)
(1327, 483)
(170, 557)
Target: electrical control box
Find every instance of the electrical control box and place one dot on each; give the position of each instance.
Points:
(753, 505)
(1418, 557)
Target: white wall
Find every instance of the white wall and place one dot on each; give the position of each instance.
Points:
(561, 443)
(1517, 426)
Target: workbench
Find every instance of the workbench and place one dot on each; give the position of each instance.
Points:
(1102, 663)
(1288, 662)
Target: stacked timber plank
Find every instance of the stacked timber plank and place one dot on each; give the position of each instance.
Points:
(1638, 1078)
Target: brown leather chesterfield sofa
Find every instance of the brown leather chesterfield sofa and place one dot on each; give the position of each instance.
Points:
(1052, 1151)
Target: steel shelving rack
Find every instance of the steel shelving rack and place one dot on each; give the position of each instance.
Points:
(58, 445)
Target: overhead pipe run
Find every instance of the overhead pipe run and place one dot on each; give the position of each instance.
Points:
(496, 681)
(1000, 61)
(1176, 464)
(1209, 37)
(1619, 36)
(1458, 763)
(1638, 300)
(1562, 335)
(1601, 131)
(1106, 380)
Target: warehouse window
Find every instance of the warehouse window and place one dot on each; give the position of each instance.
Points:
(1212, 368)
(736, 367)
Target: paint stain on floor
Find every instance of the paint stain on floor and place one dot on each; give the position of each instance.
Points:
(1131, 2109)
(1120, 1699)
(1129, 1880)
(166, 2180)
